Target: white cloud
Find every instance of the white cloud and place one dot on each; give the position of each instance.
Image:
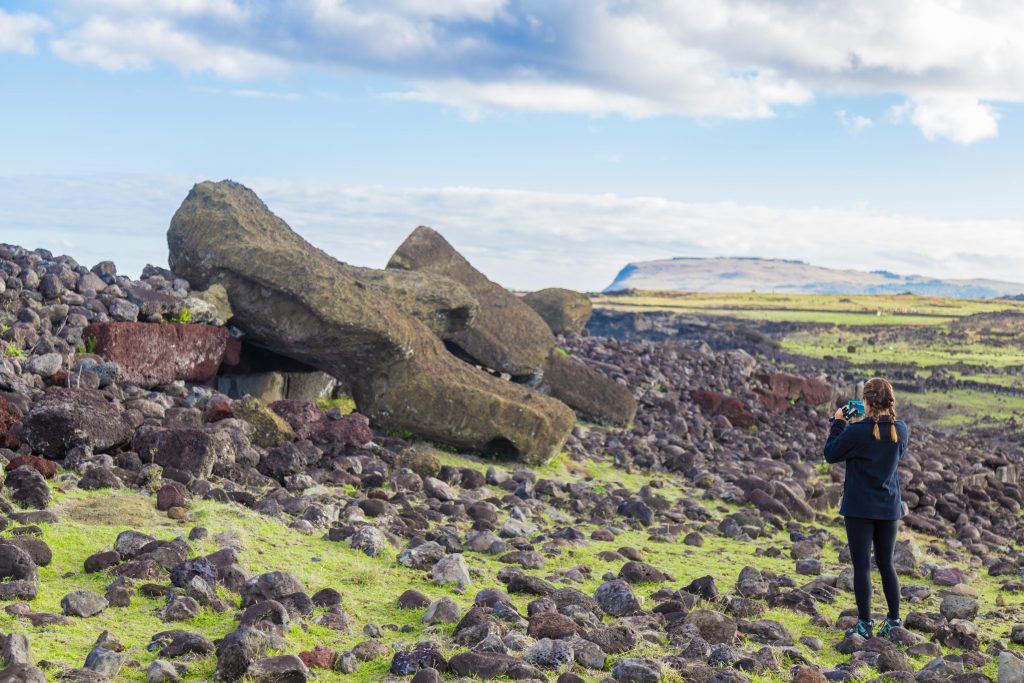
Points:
(266, 94)
(853, 124)
(960, 118)
(18, 31)
(221, 9)
(522, 239)
(952, 60)
(141, 43)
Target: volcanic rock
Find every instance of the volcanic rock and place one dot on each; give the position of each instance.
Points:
(151, 354)
(19, 576)
(68, 417)
(28, 488)
(189, 449)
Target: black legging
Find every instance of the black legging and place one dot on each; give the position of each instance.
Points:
(861, 533)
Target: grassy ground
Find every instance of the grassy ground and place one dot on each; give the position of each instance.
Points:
(857, 309)
(916, 352)
(966, 408)
(882, 335)
(91, 521)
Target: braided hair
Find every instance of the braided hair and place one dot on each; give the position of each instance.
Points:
(878, 394)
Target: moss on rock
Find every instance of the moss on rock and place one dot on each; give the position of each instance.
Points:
(269, 428)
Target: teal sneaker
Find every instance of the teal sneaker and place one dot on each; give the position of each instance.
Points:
(889, 625)
(863, 629)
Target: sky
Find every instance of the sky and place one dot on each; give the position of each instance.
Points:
(551, 141)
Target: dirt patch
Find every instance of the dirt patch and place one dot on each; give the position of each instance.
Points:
(114, 510)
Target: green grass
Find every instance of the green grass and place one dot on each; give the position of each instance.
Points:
(12, 350)
(922, 353)
(858, 309)
(1008, 381)
(185, 316)
(370, 586)
(959, 408)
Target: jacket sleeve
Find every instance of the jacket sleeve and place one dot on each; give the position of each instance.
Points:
(906, 442)
(840, 442)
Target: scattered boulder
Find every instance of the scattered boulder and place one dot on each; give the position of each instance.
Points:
(189, 449)
(424, 655)
(69, 417)
(452, 569)
(83, 603)
(19, 576)
(279, 669)
(617, 598)
(713, 626)
(28, 488)
(637, 670)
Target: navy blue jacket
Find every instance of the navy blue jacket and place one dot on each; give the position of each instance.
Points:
(872, 486)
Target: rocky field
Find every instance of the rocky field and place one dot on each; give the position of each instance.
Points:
(188, 495)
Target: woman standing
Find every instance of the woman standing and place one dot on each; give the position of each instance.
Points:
(871, 449)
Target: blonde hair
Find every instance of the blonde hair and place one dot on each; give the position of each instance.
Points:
(879, 396)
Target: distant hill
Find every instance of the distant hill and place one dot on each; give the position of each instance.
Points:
(794, 277)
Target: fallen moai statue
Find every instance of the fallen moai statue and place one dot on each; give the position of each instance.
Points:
(292, 298)
(509, 336)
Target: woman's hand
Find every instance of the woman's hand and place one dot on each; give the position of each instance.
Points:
(839, 415)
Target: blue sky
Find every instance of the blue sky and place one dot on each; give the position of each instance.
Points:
(552, 142)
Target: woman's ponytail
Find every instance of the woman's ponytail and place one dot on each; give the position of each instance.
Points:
(879, 395)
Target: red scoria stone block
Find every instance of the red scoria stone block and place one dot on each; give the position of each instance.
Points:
(45, 467)
(793, 387)
(150, 354)
(319, 657)
(353, 429)
(717, 403)
(218, 410)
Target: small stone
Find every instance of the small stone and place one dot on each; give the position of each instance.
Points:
(959, 607)
(428, 675)
(443, 611)
(550, 654)
(452, 570)
(370, 540)
(319, 657)
(161, 671)
(45, 365)
(1010, 668)
(413, 599)
(104, 662)
(368, 650)
(83, 603)
(617, 598)
(636, 670)
(280, 669)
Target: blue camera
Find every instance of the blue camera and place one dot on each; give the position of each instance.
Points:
(853, 408)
